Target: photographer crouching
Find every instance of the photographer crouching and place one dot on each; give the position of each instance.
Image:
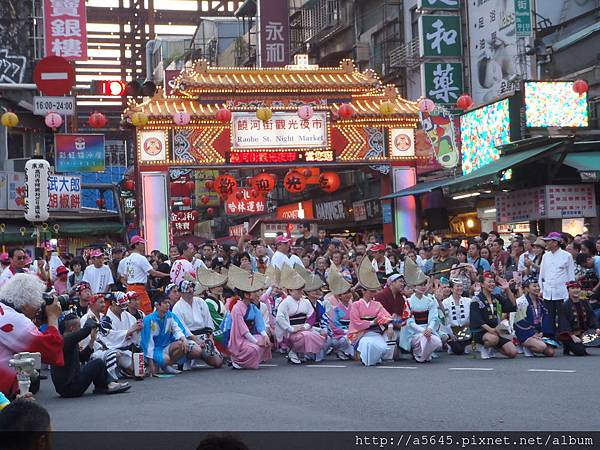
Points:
(21, 300)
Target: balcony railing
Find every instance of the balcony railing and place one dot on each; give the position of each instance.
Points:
(406, 55)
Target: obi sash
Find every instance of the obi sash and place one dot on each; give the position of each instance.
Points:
(421, 317)
(344, 323)
(298, 319)
(375, 327)
(251, 326)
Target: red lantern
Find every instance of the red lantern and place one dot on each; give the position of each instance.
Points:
(195, 215)
(225, 185)
(101, 203)
(307, 173)
(97, 120)
(186, 201)
(580, 86)
(223, 115)
(345, 111)
(294, 182)
(239, 195)
(209, 184)
(329, 181)
(205, 199)
(464, 102)
(129, 185)
(191, 186)
(263, 182)
(254, 193)
(210, 211)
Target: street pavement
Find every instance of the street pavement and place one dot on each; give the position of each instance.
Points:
(452, 393)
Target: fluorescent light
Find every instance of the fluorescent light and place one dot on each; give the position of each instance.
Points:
(472, 194)
(487, 192)
(489, 211)
(270, 235)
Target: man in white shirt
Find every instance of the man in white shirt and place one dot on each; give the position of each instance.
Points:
(556, 269)
(194, 314)
(282, 255)
(98, 275)
(183, 264)
(17, 259)
(528, 253)
(135, 270)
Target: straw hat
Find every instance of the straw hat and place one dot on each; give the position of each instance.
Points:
(273, 274)
(290, 279)
(337, 283)
(313, 282)
(245, 281)
(540, 243)
(367, 277)
(210, 278)
(413, 275)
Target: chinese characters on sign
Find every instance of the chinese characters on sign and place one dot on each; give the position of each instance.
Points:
(36, 190)
(182, 222)
(274, 33)
(65, 29)
(246, 205)
(271, 157)
(79, 152)
(64, 192)
(523, 18)
(283, 130)
(520, 206)
(440, 36)
(367, 210)
(443, 81)
(570, 201)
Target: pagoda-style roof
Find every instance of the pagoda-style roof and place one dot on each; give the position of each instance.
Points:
(345, 79)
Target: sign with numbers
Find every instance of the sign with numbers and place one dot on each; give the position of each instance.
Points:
(440, 36)
(65, 106)
(65, 29)
(443, 81)
(523, 18)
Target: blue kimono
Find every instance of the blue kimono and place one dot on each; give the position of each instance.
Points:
(158, 334)
(424, 314)
(536, 321)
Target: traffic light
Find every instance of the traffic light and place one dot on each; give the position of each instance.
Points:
(111, 88)
(136, 88)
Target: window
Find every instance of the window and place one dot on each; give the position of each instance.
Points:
(414, 23)
(16, 144)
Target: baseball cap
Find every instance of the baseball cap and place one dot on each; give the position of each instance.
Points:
(393, 277)
(95, 253)
(131, 295)
(62, 270)
(137, 240)
(185, 285)
(554, 236)
(445, 245)
(4, 257)
(121, 299)
(170, 287)
(282, 239)
(81, 286)
(377, 248)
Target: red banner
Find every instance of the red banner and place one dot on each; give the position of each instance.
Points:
(246, 204)
(65, 29)
(274, 33)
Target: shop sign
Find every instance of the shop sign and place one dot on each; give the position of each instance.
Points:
(182, 222)
(245, 205)
(64, 192)
(443, 81)
(523, 205)
(283, 130)
(567, 201)
(36, 189)
(440, 35)
(300, 210)
(65, 29)
(238, 230)
(79, 152)
(333, 211)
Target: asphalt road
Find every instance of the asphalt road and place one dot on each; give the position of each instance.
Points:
(453, 393)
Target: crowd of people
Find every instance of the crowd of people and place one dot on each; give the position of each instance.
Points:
(116, 314)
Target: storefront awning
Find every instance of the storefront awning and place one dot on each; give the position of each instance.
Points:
(482, 175)
(584, 162)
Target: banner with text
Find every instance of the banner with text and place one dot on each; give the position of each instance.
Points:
(274, 33)
(65, 29)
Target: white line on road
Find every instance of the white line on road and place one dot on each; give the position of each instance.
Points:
(551, 370)
(482, 369)
(268, 365)
(397, 367)
(328, 365)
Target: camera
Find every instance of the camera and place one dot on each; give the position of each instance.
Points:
(63, 300)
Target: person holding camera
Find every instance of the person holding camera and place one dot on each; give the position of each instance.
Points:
(21, 299)
(72, 379)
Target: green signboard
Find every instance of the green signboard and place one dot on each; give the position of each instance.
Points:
(443, 81)
(523, 18)
(446, 5)
(440, 36)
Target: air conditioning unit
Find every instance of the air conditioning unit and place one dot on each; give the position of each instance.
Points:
(363, 52)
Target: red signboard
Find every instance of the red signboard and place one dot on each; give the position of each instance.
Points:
(300, 210)
(274, 33)
(54, 76)
(65, 29)
(246, 204)
(182, 222)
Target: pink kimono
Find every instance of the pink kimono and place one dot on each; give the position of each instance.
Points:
(361, 309)
(244, 352)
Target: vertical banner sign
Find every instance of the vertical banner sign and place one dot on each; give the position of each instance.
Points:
(523, 18)
(156, 211)
(37, 172)
(65, 29)
(405, 219)
(440, 36)
(443, 82)
(273, 16)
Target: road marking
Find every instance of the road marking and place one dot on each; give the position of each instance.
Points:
(55, 76)
(327, 365)
(268, 365)
(397, 367)
(551, 370)
(482, 369)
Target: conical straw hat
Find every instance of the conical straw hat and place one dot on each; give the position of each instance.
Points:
(210, 278)
(337, 283)
(290, 279)
(273, 274)
(313, 282)
(367, 277)
(413, 275)
(245, 281)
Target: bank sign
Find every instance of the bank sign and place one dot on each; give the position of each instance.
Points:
(283, 130)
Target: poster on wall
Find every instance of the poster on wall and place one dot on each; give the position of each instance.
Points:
(497, 64)
(440, 131)
(402, 143)
(152, 145)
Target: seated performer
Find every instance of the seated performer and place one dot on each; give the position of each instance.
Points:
(319, 319)
(419, 335)
(532, 320)
(195, 316)
(213, 297)
(248, 343)
(457, 310)
(486, 315)
(369, 319)
(291, 321)
(340, 316)
(392, 300)
(578, 317)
